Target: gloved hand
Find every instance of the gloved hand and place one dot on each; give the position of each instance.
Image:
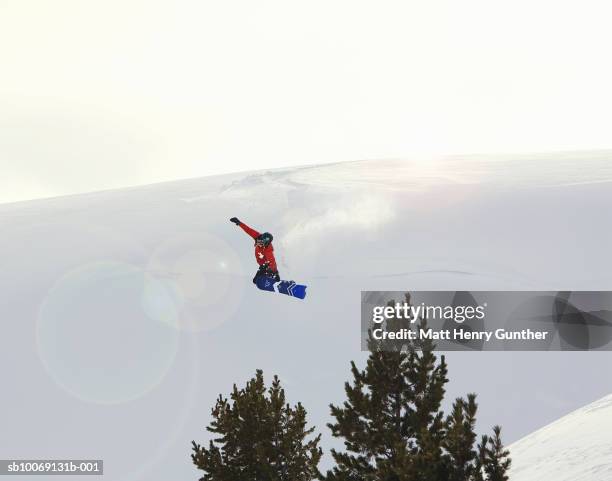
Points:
(235, 220)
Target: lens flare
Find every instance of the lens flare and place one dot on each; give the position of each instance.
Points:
(204, 274)
(97, 340)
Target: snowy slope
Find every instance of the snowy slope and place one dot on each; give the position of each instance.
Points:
(125, 313)
(577, 447)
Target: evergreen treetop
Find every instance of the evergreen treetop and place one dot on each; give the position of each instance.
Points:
(259, 437)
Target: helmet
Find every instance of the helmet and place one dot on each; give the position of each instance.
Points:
(264, 239)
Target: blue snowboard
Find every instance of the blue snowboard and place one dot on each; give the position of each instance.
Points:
(288, 288)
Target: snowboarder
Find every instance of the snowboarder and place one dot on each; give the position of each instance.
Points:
(264, 252)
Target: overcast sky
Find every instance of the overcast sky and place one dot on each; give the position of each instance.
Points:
(97, 95)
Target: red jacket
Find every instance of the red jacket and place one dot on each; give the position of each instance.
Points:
(263, 255)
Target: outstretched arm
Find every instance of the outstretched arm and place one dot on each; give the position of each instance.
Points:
(252, 232)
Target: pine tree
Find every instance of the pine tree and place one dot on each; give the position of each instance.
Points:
(496, 460)
(480, 460)
(460, 438)
(393, 427)
(260, 437)
(391, 421)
